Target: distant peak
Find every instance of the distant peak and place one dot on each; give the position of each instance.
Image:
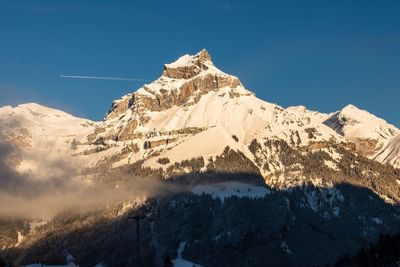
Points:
(351, 115)
(31, 105)
(35, 107)
(350, 107)
(351, 111)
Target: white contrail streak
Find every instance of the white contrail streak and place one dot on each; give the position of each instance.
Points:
(102, 78)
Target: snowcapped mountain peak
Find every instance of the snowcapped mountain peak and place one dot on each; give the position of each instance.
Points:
(352, 112)
(351, 115)
(204, 54)
(201, 58)
(363, 128)
(183, 82)
(350, 107)
(39, 109)
(190, 66)
(348, 117)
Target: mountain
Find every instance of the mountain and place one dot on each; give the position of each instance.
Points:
(246, 180)
(175, 116)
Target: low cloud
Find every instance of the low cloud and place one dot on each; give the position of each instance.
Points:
(27, 196)
(79, 198)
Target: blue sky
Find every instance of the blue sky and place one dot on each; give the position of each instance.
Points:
(322, 54)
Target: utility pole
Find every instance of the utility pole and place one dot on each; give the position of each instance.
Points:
(137, 218)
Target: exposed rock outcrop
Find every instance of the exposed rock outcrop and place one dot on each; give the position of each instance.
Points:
(187, 67)
(182, 83)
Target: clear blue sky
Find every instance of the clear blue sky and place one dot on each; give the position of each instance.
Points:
(322, 54)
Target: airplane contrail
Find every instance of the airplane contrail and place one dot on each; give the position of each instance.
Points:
(102, 78)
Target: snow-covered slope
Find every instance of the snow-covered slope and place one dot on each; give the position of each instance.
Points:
(391, 152)
(43, 139)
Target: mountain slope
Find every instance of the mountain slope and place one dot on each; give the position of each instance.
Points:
(391, 153)
(42, 137)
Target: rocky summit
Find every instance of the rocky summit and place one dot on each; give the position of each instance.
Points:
(219, 176)
(182, 83)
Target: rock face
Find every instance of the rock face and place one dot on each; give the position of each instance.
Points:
(119, 107)
(188, 77)
(187, 67)
(182, 83)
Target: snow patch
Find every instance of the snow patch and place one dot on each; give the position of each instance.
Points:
(324, 200)
(331, 165)
(20, 238)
